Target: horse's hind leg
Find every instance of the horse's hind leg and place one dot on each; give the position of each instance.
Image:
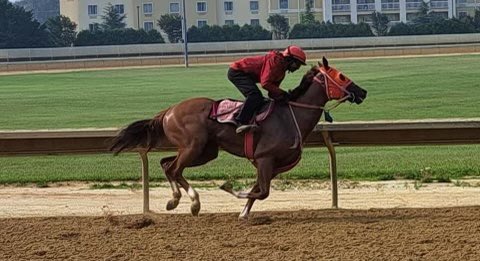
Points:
(174, 166)
(167, 165)
(209, 153)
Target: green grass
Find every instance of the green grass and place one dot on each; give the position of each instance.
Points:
(399, 88)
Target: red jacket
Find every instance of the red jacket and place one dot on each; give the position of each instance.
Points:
(268, 70)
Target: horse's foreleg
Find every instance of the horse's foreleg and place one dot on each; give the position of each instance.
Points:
(264, 178)
(246, 210)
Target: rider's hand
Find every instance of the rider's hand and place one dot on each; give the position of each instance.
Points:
(282, 98)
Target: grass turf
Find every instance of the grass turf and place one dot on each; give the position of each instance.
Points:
(399, 88)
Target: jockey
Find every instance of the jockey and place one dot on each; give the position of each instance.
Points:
(268, 70)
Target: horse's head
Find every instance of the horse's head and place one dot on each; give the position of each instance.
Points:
(338, 86)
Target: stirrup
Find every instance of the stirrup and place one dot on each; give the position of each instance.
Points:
(247, 127)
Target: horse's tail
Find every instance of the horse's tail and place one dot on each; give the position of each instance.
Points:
(145, 134)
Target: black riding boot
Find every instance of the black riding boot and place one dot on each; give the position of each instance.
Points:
(244, 118)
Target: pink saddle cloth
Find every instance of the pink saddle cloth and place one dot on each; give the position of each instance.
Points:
(224, 111)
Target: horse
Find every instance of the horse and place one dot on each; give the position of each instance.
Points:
(278, 140)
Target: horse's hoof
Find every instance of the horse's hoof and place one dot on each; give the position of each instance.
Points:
(242, 218)
(172, 204)
(195, 208)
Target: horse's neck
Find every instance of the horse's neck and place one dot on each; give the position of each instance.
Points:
(308, 118)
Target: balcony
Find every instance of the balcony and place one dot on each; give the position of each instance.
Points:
(366, 7)
(439, 4)
(413, 5)
(390, 6)
(341, 8)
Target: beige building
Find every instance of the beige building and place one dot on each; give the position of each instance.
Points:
(145, 13)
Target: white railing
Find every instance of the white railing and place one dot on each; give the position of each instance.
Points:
(439, 4)
(176, 50)
(390, 6)
(341, 8)
(413, 6)
(366, 7)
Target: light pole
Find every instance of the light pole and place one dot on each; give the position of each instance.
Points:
(298, 10)
(184, 34)
(138, 17)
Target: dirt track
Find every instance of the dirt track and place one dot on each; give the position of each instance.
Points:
(361, 231)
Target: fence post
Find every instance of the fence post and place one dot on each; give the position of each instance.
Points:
(145, 182)
(333, 167)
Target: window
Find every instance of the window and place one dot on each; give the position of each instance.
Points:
(462, 14)
(148, 25)
(229, 22)
(92, 10)
(148, 8)
(311, 2)
(254, 22)
(341, 19)
(119, 9)
(364, 18)
(93, 27)
(253, 5)
(228, 6)
(201, 23)
(201, 7)
(393, 17)
(283, 4)
(174, 7)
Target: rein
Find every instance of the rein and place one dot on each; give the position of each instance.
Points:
(299, 138)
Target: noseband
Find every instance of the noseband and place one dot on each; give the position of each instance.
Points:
(335, 87)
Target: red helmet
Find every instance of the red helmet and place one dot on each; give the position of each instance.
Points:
(295, 52)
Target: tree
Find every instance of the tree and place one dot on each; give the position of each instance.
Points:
(280, 26)
(112, 19)
(61, 30)
(424, 8)
(401, 29)
(307, 17)
(18, 29)
(171, 24)
(380, 23)
(476, 19)
(41, 9)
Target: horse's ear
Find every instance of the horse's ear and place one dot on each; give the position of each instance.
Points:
(325, 62)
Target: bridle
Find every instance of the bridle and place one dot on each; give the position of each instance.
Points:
(333, 88)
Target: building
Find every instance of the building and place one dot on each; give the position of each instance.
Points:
(145, 13)
(344, 11)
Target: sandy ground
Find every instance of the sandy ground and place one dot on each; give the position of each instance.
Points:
(80, 200)
(379, 221)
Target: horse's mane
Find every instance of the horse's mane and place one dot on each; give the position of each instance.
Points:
(304, 84)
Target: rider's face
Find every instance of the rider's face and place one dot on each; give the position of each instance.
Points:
(294, 65)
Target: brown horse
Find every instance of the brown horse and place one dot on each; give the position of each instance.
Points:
(278, 140)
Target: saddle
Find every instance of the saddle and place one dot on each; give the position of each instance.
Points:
(224, 111)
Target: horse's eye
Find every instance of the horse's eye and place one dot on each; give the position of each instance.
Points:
(342, 77)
